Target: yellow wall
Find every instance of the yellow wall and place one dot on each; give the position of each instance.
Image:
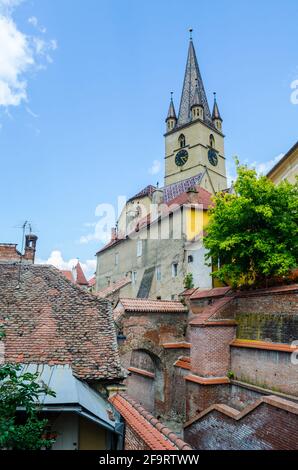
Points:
(196, 221)
(92, 436)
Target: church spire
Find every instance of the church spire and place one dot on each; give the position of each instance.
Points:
(171, 119)
(193, 84)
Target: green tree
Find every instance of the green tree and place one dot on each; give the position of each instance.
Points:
(188, 281)
(253, 233)
(21, 430)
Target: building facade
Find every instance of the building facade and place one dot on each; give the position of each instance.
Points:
(286, 168)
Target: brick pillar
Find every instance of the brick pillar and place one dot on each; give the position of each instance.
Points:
(210, 348)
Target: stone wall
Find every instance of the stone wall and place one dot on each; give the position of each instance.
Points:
(133, 441)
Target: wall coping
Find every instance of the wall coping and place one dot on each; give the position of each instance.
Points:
(265, 345)
(271, 400)
(207, 380)
(143, 372)
(182, 345)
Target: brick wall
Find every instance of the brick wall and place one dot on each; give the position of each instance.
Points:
(264, 428)
(8, 252)
(269, 369)
(267, 316)
(210, 351)
(132, 441)
(142, 389)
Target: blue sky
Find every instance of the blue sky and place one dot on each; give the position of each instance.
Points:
(84, 90)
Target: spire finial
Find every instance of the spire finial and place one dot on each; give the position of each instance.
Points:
(172, 95)
(190, 33)
(214, 93)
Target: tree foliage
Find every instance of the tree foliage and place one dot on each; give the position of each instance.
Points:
(253, 233)
(21, 430)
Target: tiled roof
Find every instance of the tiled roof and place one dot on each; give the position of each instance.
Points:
(147, 305)
(155, 435)
(205, 317)
(92, 281)
(49, 320)
(67, 274)
(113, 287)
(147, 191)
(202, 197)
(81, 279)
(216, 292)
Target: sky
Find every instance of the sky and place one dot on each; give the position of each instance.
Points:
(84, 92)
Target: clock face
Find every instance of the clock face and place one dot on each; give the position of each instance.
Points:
(212, 157)
(181, 157)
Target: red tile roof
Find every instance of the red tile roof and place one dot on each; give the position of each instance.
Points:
(92, 281)
(67, 274)
(154, 434)
(81, 279)
(216, 292)
(147, 305)
(205, 317)
(202, 197)
(50, 320)
(113, 287)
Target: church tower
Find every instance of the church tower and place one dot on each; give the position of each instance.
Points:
(194, 142)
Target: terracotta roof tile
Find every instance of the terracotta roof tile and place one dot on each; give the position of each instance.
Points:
(113, 287)
(81, 279)
(67, 274)
(182, 345)
(92, 281)
(216, 292)
(47, 319)
(148, 305)
(155, 435)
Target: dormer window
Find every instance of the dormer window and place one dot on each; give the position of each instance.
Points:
(181, 140)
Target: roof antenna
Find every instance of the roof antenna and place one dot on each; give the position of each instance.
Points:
(190, 33)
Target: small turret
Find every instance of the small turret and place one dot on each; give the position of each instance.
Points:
(216, 117)
(171, 119)
(197, 108)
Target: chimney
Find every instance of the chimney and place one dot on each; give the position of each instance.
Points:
(30, 247)
(193, 195)
(113, 234)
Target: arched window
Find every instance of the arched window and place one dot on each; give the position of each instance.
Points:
(212, 141)
(181, 140)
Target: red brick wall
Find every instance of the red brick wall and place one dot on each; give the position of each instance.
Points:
(132, 441)
(266, 427)
(142, 389)
(8, 252)
(269, 369)
(210, 351)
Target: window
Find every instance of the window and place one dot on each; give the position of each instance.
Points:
(181, 140)
(134, 277)
(139, 248)
(173, 297)
(174, 269)
(190, 259)
(212, 141)
(116, 259)
(158, 273)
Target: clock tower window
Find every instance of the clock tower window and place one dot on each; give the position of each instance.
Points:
(181, 140)
(212, 141)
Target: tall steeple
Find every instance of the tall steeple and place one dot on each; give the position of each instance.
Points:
(193, 84)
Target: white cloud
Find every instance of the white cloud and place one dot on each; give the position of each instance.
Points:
(263, 167)
(155, 168)
(19, 54)
(56, 259)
